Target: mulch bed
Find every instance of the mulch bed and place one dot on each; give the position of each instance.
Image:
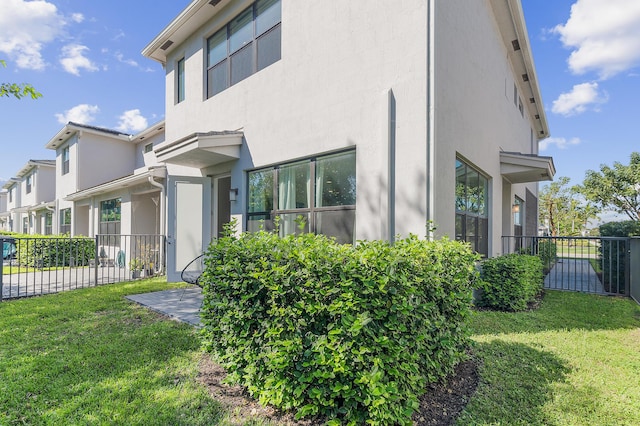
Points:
(440, 405)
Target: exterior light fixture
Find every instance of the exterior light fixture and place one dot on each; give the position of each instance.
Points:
(233, 194)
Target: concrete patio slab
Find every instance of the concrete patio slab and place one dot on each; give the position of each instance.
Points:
(181, 304)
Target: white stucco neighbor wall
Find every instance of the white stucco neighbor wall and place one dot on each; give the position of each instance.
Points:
(101, 159)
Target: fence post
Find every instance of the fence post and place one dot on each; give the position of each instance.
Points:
(95, 262)
(634, 269)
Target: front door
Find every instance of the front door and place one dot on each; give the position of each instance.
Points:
(188, 221)
(222, 209)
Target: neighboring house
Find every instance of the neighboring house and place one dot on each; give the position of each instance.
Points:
(88, 156)
(11, 215)
(37, 197)
(370, 119)
(4, 213)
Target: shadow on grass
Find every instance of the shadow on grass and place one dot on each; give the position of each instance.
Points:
(516, 382)
(561, 310)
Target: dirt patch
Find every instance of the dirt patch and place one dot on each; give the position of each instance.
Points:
(440, 405)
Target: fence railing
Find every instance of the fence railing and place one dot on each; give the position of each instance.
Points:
(40, 265)
(587, 264)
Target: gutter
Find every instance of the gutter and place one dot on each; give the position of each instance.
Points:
(157, 184)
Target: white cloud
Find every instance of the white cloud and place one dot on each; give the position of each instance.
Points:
(132, 121)
(560, 143)
(604, 36)
(81, 114)
(74, 60)
(579, 99)
(25, 27)
(77, 17)
(120, 57)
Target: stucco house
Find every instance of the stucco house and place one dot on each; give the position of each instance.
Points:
(30, 198)
(367, 118)
(4, 212)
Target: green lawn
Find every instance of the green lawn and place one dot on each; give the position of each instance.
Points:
(91, 357)
(575, 361)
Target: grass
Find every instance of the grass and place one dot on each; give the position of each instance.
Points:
(91, 357)
(574, 361)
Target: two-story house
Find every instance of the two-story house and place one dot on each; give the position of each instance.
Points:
(34, 211)
(4, 212)
(13, 190)
(369, 119)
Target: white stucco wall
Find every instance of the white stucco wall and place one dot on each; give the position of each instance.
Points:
(328, 92)
(475, 113)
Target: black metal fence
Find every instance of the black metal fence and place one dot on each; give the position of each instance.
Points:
(586, 264)
(40, 265)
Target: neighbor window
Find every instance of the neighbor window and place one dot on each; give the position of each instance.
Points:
(316, 195)
(110, 220)
(472, 202)
(65, 160)
(246, 45)
(11, 195)
(25, 225)
(148, 148)
(28, 182)
(180, 81)
(48, 223)
(65, 221)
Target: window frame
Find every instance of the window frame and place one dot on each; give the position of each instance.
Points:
(180, 80)
(65, 228)
(466, 216)
(311, 210)
(65, 159)
(225, 62)
(29, 183)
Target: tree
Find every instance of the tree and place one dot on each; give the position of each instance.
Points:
(615, 188)
(563, 209)
(17, 90)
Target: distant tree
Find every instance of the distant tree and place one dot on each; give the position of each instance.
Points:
(17, 90)
(615, 188)
(563, 209)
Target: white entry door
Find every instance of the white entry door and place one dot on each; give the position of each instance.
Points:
(188, 220)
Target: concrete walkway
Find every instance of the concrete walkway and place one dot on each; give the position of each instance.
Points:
(575, 275)
(181, 304)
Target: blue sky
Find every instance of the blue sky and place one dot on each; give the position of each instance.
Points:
(84, 56)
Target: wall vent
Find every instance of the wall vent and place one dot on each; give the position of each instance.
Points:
(214, 2)
(516, 44)
(166, 45)
(525, 77)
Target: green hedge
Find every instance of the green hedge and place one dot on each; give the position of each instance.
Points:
(510, 282)
(47, 251)
(349, 333)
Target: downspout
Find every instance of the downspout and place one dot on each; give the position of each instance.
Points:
(431, 131)
(162, 229)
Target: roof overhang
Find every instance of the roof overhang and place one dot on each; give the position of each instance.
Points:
(35, 207)
(32, 164)
(71, 129)
(10, 183)
(201, 150)
(510, 18)
(159, 172)
(525, 168)
(194, 16)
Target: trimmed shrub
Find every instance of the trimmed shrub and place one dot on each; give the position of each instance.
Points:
(349, 333)
(615, 254)
(510, 282)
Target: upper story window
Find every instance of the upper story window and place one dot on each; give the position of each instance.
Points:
(180, 82)
(148, 148)
(11, 195)
(28, 183)
(65, 160)
(246, 45)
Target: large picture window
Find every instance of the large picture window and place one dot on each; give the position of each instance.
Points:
(321, 191)
(472, 206)
(110, 220)
(246, 45)
(65, 221)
